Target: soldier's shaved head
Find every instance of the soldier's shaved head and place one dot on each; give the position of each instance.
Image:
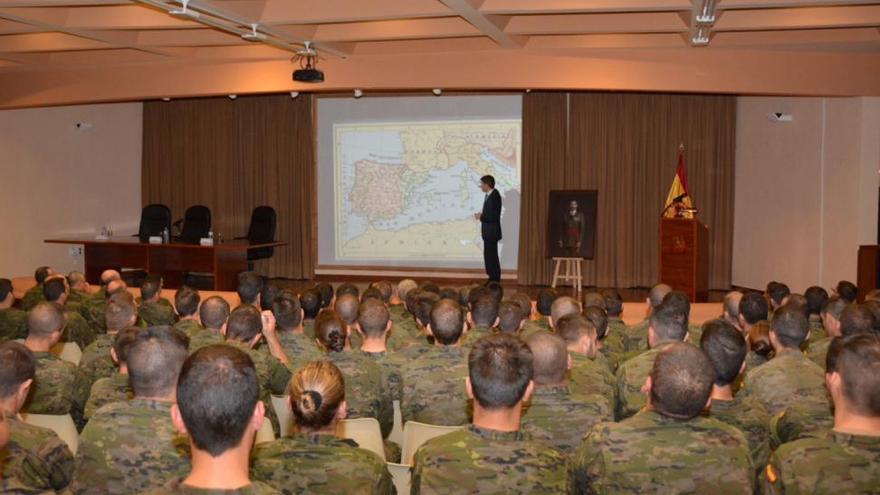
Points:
(731, 305)
(668, 323)
(599, 319)
(373, 318)
(510, 317)
(186, 301)
(484, 311)
(154, 361)
(593, 299)
(726, 349)
(856, 358)
(563, 306)
(42, 273)
(574, 327)
(545, 300)
(123, 342)
(657, 293)
(447, 321)
(790, 325)
(681, 381)
(855, 319)
(44, 320)
(549, 358)
(244, 323)
(76, 279)
(114, 287)
(346, 307)
(424, 303)
(287, 310)
(405, 286)
(500, 369)
(108, 276)
(213, 312)
(120, 312)
(17, 365)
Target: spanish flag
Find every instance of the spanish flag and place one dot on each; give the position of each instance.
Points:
(679, 193)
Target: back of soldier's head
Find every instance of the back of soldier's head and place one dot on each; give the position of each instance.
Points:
(347, 288)
(855, 319)
(856, 359)
(847, 290)
(476, 294)
(108, 276)
(464, 293)
(593, 299)
(449, 293)
(346, 307)
(373, 318)
(549, 358)
(267, 296)
(613, 302)
(563, 306)
(373, 293)
(726, 349)
(790, 325)
(447, 321)
(186, 301)
(428, 286)
(244, 323)
(679, 300)
(510, 317)
(777, 291)
(599, 319)
(125, 338)
(44, 320)
(500, 369)
(287, 310)
(572, 328)
(834, 306)
(5, 289)
(216, 395)
(42, 273)
(316, 391)
(669, 323)
(544, 303)
(326, 292)
(120, 311)
(657, 293)
(249, 286)
(310, 300)
(799, 301)
(17, 365)
(385, 290)
(404, 286)
(874, 308)
(330, 330)
(154, 360)
(425, 302)
(74, 279)
(151, 286)
(54, 287)
(495, 290)
(213, 312)
(816, 297)
(115, 287)
(681, 381)
(753, 307)
(522, 300)
(484, 311)
(731, 303)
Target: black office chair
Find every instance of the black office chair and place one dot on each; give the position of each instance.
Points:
(154, 219)
(261, 230)
(196, 224)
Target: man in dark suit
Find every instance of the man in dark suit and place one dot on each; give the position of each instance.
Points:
(490, 220)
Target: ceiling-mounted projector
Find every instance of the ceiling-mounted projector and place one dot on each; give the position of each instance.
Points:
(308, 65)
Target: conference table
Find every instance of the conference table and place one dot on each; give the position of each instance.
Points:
(224, 261)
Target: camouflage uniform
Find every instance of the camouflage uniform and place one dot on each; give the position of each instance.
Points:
(478, 460)
(787, 378)
(534, 326)
(160, 312)
(637, 337)
(76, 297)
(273, 377)
(652, 453)
(299, 347)
(614, 343)
(77, 329)
(589, 376)
(836, 463)
(312, 463)
(176, 486)
(474, 334)
(749, 416)
(390, 364)
(434, 387)
(12, 486)
(114, 388)
(32, 297)
(96, 362)
(817, 329)
(365, 392)
(189, 327)
(204, 337)
(631, 375)
(753, 360)
(818, 350)
(403, 336)
(130, 447)
(398, 313)
(808, 417)
(560, 418)
(13, 324)
(92, 309)
(59, 388)
(36, 457)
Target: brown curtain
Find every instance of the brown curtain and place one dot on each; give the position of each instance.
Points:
(626, 147)
(234, 155)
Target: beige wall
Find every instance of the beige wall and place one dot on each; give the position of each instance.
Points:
(806, 191)
(59, 180)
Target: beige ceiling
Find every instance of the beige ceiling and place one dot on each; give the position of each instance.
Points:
(80, 39)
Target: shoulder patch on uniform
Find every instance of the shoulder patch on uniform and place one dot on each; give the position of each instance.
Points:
(771, 474)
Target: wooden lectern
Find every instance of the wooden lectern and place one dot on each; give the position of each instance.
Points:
(868, 270)
(684, 256)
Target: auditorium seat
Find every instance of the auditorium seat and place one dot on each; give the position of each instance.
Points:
(266, 433)
(364, 431)
(415, 434)
(61, 424)
(401, 475)
(65, 351)
(282, 411)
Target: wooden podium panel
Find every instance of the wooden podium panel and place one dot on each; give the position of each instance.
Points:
(868, 277)
(684, 257)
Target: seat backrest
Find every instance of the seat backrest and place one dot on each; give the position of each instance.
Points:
(196, 223)
(415, 434)
(364, 431)
(67, 351)
(154, 219)
(263, 223)
(282, 410)
(401, 475)
(61, 424)
(266, 433)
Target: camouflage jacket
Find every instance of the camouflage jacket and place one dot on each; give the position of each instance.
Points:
(96, 362)
(835, 463)
(365, 392)
(32, 297)
(299, 347)
(652, 453)
(92, 309)
(203, 337)
(589, 376)
(631, 375)
(130, 447)
(478, 460)
(434, 389)
(160, 312)
(13, 324)
(749, 416)
(59, 388)
(787, 378)
(560, 418)
(474, 334)
(107, 390)
(12, 486)
(809, 417)
(273, 377)
(177, 487)
(189, 327)
(637, 337)
(312, 463)
(36, 457)
(390, 364)
(614, 343)
(818, 350)
(817, 330)
(78, 329)
(533, 326)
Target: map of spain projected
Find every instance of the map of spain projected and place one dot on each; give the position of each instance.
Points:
(408, 191)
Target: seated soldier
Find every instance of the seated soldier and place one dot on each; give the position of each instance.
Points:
(93, 308)
(312, 459)
(599, 319)
(34, 457)
(588, 375)
(847, 291)
(730, 312)
(789, 377)
(558, 414)
(96, 362)
(346, 307)
(726, 349)
(289, 319)
(831, 312)
(510, 318)
(397, 302)
(213, 313)
(219, 409)
(637, 337)
(116, 387)
(13, 321)
(543, 307)
(492, 455)
(760, 347)
(816, 298)
(482, 318)
(79, 288)
(250, 285)
(562, 306)
(267, 296)
(132, 446)
(752, 309)
(186, 303)
(327, 295)
(433, 385)
(77, 329)
(845, 459)
(34, 295)
(310, 300)
(776, 293)
(614, 342)
(59, 387)
(668, 447)
(155, 309)
(667, 325)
